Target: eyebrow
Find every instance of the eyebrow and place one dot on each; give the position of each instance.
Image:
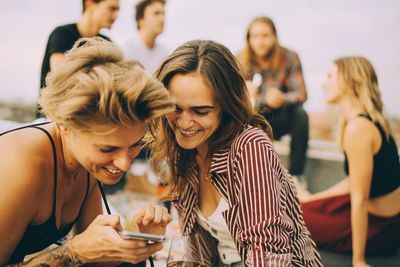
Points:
(200, 107)
(116, 147)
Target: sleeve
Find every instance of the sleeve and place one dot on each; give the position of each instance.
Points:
(265, 229)
(60, 41)
(296, 89)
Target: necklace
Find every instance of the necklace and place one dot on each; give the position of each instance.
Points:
(207, 177)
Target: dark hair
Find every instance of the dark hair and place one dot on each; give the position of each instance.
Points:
(141, 6)
(220, 71)
(84, 1)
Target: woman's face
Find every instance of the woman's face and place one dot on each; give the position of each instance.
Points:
(332, 91)
(261, 38)
(197, 114)
(106, 156)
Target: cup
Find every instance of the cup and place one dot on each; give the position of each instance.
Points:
(185, 251)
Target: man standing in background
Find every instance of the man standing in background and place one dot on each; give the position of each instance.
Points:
(96, 14)
(142, 46)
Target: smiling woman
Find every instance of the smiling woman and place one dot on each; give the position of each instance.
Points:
(99, 104)
(225, 178)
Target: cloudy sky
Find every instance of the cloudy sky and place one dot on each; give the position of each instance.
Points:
(318, 30)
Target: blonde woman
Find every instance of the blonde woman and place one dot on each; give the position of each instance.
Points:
(361, 213)
(98, 104)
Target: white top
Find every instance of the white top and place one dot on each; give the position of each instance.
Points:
(217, 227)
(135, 48)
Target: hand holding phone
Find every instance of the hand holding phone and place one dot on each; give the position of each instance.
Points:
(143, 236)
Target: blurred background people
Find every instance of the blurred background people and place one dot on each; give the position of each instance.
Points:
(96, 14)
(144, 46)
(362, 212)
(98, 104)
(276, 84)
(226, 180)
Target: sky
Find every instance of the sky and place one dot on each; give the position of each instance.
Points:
(318, 30)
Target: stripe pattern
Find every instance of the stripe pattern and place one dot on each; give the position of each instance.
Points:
(264, 215)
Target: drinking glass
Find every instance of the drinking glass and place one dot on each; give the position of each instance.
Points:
(185, 251)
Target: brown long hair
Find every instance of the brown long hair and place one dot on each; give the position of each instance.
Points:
(219, 69)
(247, 57)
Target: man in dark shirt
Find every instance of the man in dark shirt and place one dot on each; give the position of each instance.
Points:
(97, 14)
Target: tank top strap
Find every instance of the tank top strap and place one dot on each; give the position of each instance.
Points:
(84, 200)
(365, 115)
(55, 164)
(24, 127)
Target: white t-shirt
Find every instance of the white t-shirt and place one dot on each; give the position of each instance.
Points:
(135, 48)
(217, 227)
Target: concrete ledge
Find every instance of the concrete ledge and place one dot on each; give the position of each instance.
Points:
(317, 149)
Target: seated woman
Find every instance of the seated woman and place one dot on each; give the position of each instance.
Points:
(226, 180)
(361, 213)
(50, 173)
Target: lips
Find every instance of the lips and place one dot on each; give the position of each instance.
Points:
(187, 132)
(113, 171)
(113, 174)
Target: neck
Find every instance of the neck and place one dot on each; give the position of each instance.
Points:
(86, 27)
(148, 38)
(348, 109)
(70, 165)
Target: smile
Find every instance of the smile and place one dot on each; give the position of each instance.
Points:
(113, 171)
(187, 132)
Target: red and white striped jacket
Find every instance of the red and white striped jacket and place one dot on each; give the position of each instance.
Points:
(264, 215)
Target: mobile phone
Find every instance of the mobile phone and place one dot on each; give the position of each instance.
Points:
(143, 236)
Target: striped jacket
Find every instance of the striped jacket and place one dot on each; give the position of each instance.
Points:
(264, 215)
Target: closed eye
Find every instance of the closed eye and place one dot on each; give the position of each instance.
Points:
(201, 113)
(109, 149)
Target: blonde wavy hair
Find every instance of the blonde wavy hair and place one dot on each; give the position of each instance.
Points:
(96, 86)
(357, 78)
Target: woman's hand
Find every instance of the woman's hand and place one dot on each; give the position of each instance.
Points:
(152, 219)
(101, 242)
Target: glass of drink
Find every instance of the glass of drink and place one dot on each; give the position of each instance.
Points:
(185, 251)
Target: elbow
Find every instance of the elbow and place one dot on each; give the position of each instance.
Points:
(359, 202)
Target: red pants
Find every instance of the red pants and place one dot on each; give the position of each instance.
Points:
(329, 222)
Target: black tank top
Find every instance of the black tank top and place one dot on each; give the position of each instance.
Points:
(386, 172)
(38, 237)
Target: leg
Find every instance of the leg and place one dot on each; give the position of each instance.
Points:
(292, 119)
(299, 139)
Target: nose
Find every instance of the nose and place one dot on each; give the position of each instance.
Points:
(124, 159)
(115, 16)
(184, 120)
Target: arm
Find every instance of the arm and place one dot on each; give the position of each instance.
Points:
(260, 208)
(56, 59)
(60, 256)
(151, 219)
(295, 81)
(20, 194)
(358, 144)
(338, 189)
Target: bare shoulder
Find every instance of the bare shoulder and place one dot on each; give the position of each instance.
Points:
(360, 131)
(25, 159)
(24, 173)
